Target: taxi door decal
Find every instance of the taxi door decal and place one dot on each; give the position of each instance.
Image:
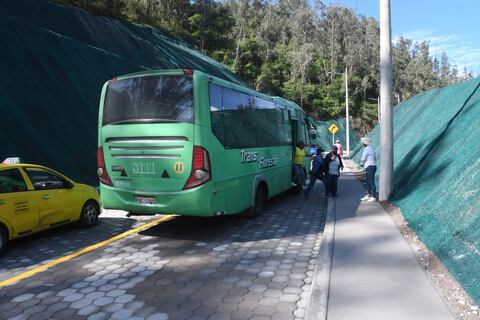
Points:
(21, 206)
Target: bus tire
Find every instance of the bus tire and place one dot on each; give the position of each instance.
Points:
(259, 201)
(3, 238)
(89, 214)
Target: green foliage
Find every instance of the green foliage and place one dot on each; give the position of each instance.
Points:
(297, 49)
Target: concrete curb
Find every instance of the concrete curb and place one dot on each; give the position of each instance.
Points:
(318, 302)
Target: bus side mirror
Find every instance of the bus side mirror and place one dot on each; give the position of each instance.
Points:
(67, 184)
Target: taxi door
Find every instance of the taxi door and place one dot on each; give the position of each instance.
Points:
(56, 202)
(18, 206)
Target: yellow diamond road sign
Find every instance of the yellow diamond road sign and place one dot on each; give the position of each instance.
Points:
(333, 128)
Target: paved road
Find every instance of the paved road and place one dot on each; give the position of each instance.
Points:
(184, 268)
(32, 251)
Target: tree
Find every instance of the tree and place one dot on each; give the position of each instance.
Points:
(297, 49)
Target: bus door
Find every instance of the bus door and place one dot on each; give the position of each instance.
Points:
(294, 127)
(295, 140)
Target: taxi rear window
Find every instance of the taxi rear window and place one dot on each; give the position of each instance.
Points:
(44, 180)
(11, 181)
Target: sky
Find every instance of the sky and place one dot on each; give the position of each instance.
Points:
(449, 26)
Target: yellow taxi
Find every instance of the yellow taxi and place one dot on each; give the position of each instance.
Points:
(35, 198)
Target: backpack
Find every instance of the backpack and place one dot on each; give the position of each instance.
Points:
(320, 174)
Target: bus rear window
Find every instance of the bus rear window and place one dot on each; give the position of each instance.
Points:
(149, 100)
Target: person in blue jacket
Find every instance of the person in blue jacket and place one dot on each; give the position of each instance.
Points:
(316, 172)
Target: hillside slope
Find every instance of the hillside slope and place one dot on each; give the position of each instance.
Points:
(437, 175)
(54, 61)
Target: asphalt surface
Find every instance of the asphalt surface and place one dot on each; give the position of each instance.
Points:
(185, 268)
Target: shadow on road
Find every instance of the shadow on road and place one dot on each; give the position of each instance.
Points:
(51, 244)
(285, 213)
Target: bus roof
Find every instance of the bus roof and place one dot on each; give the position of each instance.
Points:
(286, 102)
(151, 73)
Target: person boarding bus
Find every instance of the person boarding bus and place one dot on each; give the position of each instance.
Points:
(317, 172)
(298, 164)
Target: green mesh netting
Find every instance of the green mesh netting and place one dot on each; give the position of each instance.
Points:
(324, 137)
(437, 175)
(54, 61)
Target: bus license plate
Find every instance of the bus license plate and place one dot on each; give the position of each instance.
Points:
(145, 200)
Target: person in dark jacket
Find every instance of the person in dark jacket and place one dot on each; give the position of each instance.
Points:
(333, 164)
(317, 172)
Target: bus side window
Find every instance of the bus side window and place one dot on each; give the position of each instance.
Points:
(216, 112)
(269, 119)
(240, 131)
(286, 130)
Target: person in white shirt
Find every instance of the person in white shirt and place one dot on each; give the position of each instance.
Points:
(339, 147)
(368, 161)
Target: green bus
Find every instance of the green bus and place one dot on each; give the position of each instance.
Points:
(188, 143)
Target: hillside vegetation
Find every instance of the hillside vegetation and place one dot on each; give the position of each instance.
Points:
(54, 62)
(437, 174)
(297, 49)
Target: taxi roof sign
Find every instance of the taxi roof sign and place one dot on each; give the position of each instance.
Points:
(13, 160)
(333, 128)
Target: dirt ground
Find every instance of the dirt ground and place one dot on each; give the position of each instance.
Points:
(459, 302)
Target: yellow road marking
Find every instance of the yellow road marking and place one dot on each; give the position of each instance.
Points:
(80, 252)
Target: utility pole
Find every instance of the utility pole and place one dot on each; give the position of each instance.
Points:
(347, 118)
(386, 88)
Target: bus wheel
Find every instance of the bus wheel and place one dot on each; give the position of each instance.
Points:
(259, 203)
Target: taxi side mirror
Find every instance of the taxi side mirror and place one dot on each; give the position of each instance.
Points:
(67, 184)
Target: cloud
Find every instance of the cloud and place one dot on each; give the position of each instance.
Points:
(460, 50)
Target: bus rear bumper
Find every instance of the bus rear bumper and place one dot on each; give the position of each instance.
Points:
(194, 202)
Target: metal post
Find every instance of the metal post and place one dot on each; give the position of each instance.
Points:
(386, 125)
(347, 117)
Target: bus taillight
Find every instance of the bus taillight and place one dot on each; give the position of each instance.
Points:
(200, 168)
(187, 72)
(102, 170)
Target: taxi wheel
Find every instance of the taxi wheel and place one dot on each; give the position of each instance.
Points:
(3, 239)
(89, 215)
